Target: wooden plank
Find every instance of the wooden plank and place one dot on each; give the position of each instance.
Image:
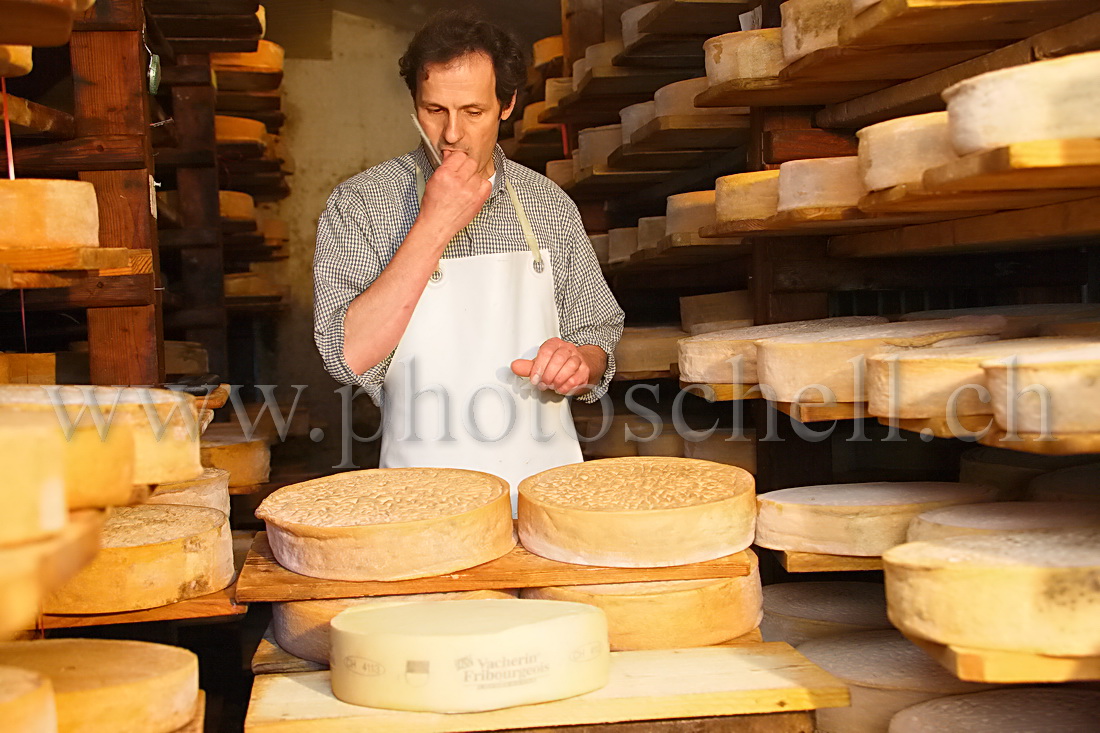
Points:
(776, 92)
(891, 63)
(644, 685)
(111, 15)
(692, 132)
(195, 46)
(629, 158)
(807, 412)
(600, 181)
(235, 80)
(809, 562)
(641, 376)
(684, 247)
(723, 392)
(30, 119)
(229, 101)
(64, 258)
(1062, 444)
(815, 221)
(661, 50)
(780, 146)
(263, 579)
(799, 722)
(962, 427)
(1004, 667)
(1042, 164)
(210, 7)
(705, 18)
(220, 25)
(100, 153)
(213, 605)
(612, 81)
(81, 290)
(914, 198)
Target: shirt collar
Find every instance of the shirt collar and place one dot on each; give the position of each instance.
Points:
(420, 157)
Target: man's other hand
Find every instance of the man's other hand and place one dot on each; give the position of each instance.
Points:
(558, 365)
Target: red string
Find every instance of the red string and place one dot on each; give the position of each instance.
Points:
(23, 313)
(7, 128)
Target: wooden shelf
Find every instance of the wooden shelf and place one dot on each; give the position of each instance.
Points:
(1045, 164)
(660, 50)
(807, 412)
(810, 562)
(601, 182)
(263, 579)
(1003, 667)
(915, 198)
(725, 392)
(607, 89)
(692, 132)
(817, 221)
(33, 120)
(890, 64)
(221, 604)
(231, 102)
(966, 427)
(705, 18)
(629, 158)
(687, 248)
(776, 92)
(645, 685)
(46, 259)
(1065, 444)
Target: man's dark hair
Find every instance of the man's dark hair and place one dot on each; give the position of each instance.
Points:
(452, 34)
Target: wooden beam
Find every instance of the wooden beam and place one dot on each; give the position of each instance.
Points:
(102, 152)
(780, 146)
(581, 27)
(30, 119)
(100, 293)
(205, 7)
(111, 15)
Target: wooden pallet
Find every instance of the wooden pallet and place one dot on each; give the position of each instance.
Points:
(1003, 667)
(221, 605)
(724, 392)
(807, 412)
(661, 50)
(644, 685)
(1044, 164)
(776, 92)
(915, 198)
(811, 562)
(692, 132)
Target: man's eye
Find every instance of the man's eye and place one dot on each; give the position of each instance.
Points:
(475, 113)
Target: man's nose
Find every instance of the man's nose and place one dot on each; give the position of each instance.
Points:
(452, 131)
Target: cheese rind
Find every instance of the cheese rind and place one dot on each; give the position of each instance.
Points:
(799, 612)
(34, 496)
(268, 57)
(606, 512)
(1022, 320)
(820, 183)
(999, 517)
(687, 213)
(752, 195)
(15, 60)
(560, 172)
(236, 205)
(621, 243)
(1014, 710)
(1051, 392)
(210, 490)
(248, 462)
(1078, 483)
(40, 213)
(811, 25)
(635, 117)
(646, 348)
(755, 54)
(900, 150)
(547, 49)
(602, 247)
(603, 54)
(630, 20)
(26, 701)
(228, 129)
(595, 144)
(557, 89)
(468, 656)
(732, 305)
(651, 230)
(862, 520)
(678, 99)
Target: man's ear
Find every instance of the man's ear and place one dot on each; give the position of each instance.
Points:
(507, 111)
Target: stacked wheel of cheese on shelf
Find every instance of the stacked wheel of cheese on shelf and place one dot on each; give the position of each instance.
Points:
(595, 144)
(899, 151)
(753, 195)
(39, 22)
(1003, 516)
(1013, 472)
(1022, 321)
(800, 612)
(678, 99)
(557, 89)
(560, 172)
(651, 230)
(635, 117)
(547, 49)
(41, 213)
(15, 61)
(716, 311)
(601, 245)
(236, 205)
(755, 54)
(210, 490)
(246, 460)
(647, 348)
(229, 129)
(1047, 393)
(630, 20)
(255, 71)
(1077, 483)
(812, 25)
(622, 242)
(732, 447)
(1015, 710)
(819, 183)
(687, 213)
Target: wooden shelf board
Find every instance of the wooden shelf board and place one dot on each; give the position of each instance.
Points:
(662, 50)
(542, 135)
(693, 132)
(725, 392)
(45, 259)
(915, 198)
(1065, 444)
(688, 248)
(889, 64)
(806, 412)
(240, 149)
(602, 181)
(965, 427)
(811, 562)
(33, 120)
(1004, 667)
(644, 685)
(239, 80)
(213, 605)
(230, 102)
(607, 89)
(816, 221)
(263, 579)
(1044, 164)
(776, 92)
(629, 158)
(704, 18)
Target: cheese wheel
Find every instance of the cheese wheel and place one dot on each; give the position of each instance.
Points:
(687, 213)
(107, 686)
(635, 117)
(267, 58)
(547, 49)
(799, 612)
(1055, 391)
(755, 54)
(1012, 471)
(752, 195)
(630, 20)
(273, 230)
(15, 60)
(863, 520)
(261, 15)
(730, 357)
(531, 118)
(1046, 100)
(672, 614)
(678, 98)
(884, 672)
(1023, 320)
(302, 627)
(595, 144)
(162, 423)
(248, 462)
(150, 556)
(811, 25)
(210, 490)
(822, 366)
(581, 68)
(1030, 593)
(1015, 710)
(34, 504)
(37, 22)
(647, 348)
(1000, 517)
(389, 524)
(26, 701)
(236, 205)
(239, 129)
(651, 230)
(733, 305)
(1077, 483)
(859, 6)
(40, 213)
(608, 512)
(603, 54)
(621, 243)
(723, 446)
(557, 89)
(900, 150)
(820, 183)
(713, 326)
(602, 247)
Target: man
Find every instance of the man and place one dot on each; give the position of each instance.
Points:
(467, 298)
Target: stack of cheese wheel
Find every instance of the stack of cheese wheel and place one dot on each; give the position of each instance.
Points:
(811, 25)
(716, 311)
(730, 356)
(247, 461)
(302, 627)
(40, 213)
(647, 348)
(1015, 710)
(531, 124)
(210, 490)
(734, 448)
(817, 367)
(39, 22)
(755, 54)
(885, 673)
(1022, 320)
(687, 213)
(595, 144)
(999, 517)
(27, 701)
(630, 20)
(651, 230)
(389, 524)
(1078, 483)
(678, 98)
(103, 686)
(257, 71)
(603, 54)
(899, 151)
(742, 196)
(798, 612)
(1047, 100)
(621, 244)
(1050, 392)
(560, 172)
(557, 89)
(863, 520)
(820, 183)
(581, 68)
(1013, 471)
(547, 49)
(601, 245)
(994, 591)
(635, 117)
(229, 130)
(15, 61)
(236, 206)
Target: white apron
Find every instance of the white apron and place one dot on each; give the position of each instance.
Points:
(451, 398)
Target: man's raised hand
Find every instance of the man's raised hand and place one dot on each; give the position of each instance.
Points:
(454, 194)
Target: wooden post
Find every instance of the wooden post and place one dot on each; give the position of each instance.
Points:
(581, 27)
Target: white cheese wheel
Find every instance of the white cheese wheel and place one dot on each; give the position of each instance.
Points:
(859, 6)
(723, 446)
(547, 49)
(1054, 99)
(1015, 710)
(603, 54)
(210, 490)
(1056, 391)
(236, 205)
(1023, 320)
(730, 357)
(647, 348)
(733, 305)
(531, 118)
(900, 150)
(560, 172)
(608, 512)
(811, 25)
(1077, 483)
(630, 19)
(581, 67)
(755, 54)
(267, 58)
(468, 656)
(1031, 593)
(863, 520)
(635, 117)
(752, 195)
(26, 701)
(248, 462)
(389, 524)
(687, 213)
(557, 89)
(820, 366)
(1012, 471)
(15, 60)
(602, 247)
(820, 183)
(651, 230)
(34, 503)
(799, 612)
(678, 98)
(885, 673)
(229, 129)
(302, 627)
(672, 614)
(39, 213)
(595, 144)
(1000, 517)
(261, 15)
(621, 243)
(150, 556)
(713, 326)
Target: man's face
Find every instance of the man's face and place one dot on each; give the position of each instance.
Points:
(457, 105)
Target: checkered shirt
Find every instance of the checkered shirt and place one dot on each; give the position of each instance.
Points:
(368, 216)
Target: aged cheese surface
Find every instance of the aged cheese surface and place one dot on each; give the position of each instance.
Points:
(603, 54)
(15, 60)
(34, 497)
(581, 67)
(820, 183)
(732, 305)
(105, 686)
(723, 446)
(753, 195)
(1015, 710)
(595, 144)
(1046, 100)
(885, 673)
(853, 519)
(621, 243)
(557, 89)
(389, 524)
(1077, 327)
(635, 117)
(674, 614)
(601, 245)
(810, 25)
(678, 98)
(607, 512)
(248, 462)
(900, 150)
(26, 701)
(466, 656)
(630, 19)
(1003, 516)
(268, 57)
(798, 612)
(754, 54)
(236, 205)
(1032, 592)
(1023, 320)
(1077, 483)
(560, 172)
(238, 129)
(647, 348)
(1056, 391)
(40, 213)
(531, 118)
(150, 556)
(687, 213)
(302, 627)
(547, 49)
(210, 490)
(651, 230)
(1011, 471)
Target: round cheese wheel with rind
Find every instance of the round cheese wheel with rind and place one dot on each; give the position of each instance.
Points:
(1002, 516)
(390, 523)
(560, 172)
(900, 150)
(651, 230)
(1067, 402)
(211, 490)
(1032, 592)
(547, 49)
(106, 686)
(15, 61)
(755, 54)
(863, 520)
(687, 213)
(1014, 471)
(600, 245)
(228, 129)
(678, 98)
(753, 195)
(302, 627)
(672, 614)
(268, 57)
(646, 348)
(34, 497)
(820, 183)
(595, 144)
(1077, 483)
(635, 117)
(40, 213)
(150, 555)
(607, 512)
(531, 118)
(630, 19)
(26, 701)
(248, 462)
(1015, 710)
(811, 25)
(557, 89)
(603, 54)
(799, 612)
(37, 22)
(581, 67)
(885, 673)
